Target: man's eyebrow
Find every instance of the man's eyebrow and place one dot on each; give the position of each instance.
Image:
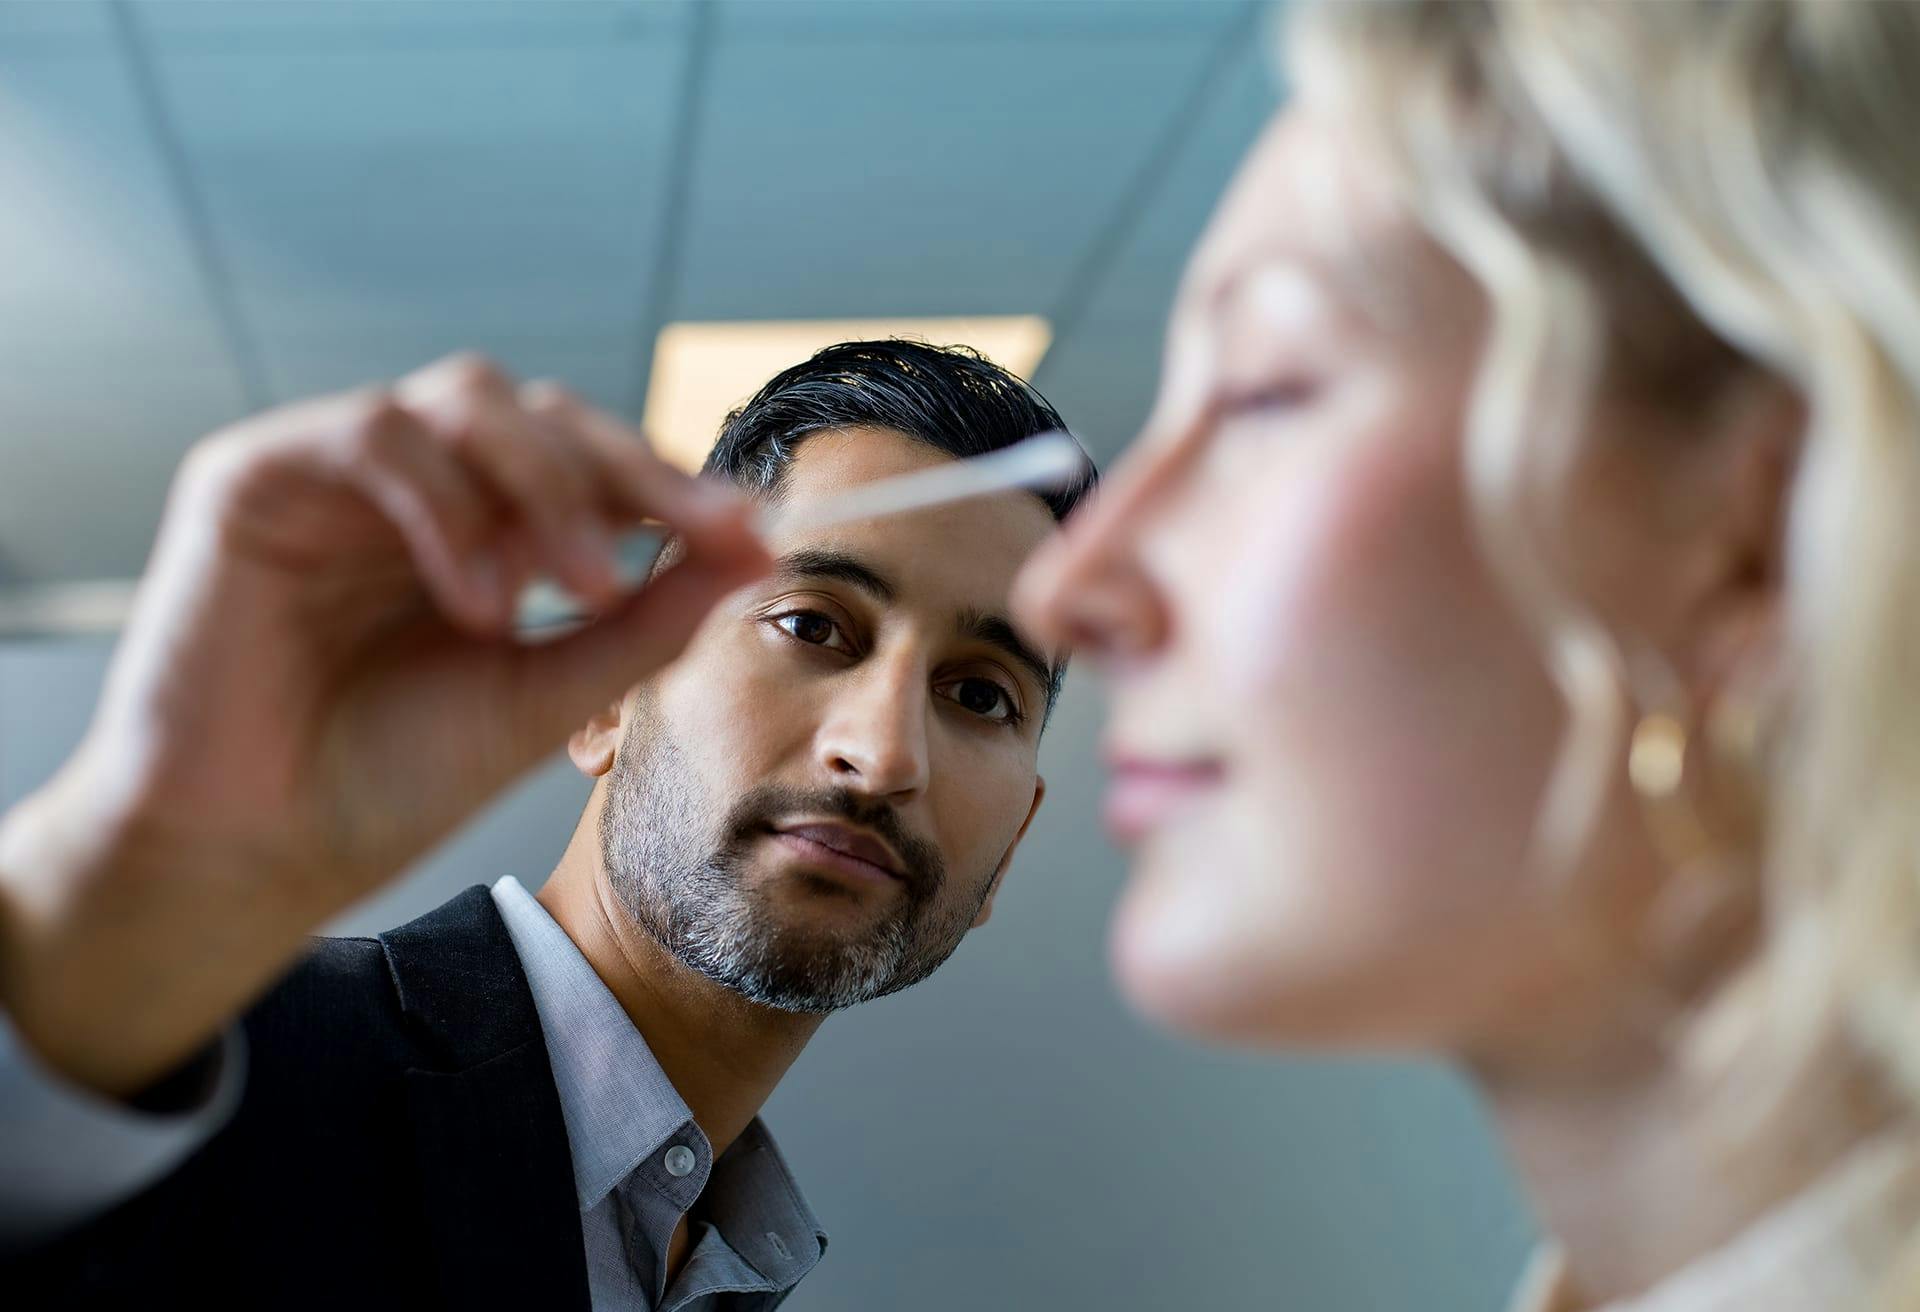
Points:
(813, 563)
(998, 631)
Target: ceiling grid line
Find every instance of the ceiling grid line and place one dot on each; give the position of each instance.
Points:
(1103, 253)
(215, 275)
(664, 282)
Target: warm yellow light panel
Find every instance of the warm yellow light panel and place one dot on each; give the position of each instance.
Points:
(703, 370)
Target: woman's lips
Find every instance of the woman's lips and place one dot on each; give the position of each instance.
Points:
(1143, 794)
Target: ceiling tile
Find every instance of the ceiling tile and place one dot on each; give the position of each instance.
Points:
(114, 362)
(1103, 371)
(863, 168)
(89, 441)
(388, 182)
(54, 27)
(95, 249)
(601, 369)
(363, 188)
(1006, 20)
(254, 26)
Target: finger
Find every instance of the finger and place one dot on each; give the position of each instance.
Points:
(520, 557)
(560, 683)
(445, 516)
(541, 474)
(637, 483)
(462, 373)
(555, 409)
(589, 539)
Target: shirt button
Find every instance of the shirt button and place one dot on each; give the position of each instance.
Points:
(680, 1160)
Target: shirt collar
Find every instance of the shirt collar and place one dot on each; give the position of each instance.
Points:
(752, 1201)
(618, 1104)
(620, 1108)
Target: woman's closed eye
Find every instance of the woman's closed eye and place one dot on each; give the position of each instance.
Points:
(814, 629)
(1267, 399)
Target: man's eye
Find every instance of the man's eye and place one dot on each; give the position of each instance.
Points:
(814, 629)
(983, 697)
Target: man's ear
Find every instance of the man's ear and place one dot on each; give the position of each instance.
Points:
(594, 745)
(1000, 872)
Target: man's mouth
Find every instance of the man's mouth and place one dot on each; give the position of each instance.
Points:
(841, 848)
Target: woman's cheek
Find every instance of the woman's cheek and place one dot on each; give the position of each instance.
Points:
(1266, 610)
(1228, 903)
(1195, 925)
(1291, 555)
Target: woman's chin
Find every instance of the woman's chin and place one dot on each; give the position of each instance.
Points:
(1194, 947)
(1172, 946)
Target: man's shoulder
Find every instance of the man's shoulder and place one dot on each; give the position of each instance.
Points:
(332, 1147)
(418, 991)
(467, 928)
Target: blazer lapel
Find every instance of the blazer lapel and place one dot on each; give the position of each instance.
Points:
(490, 1145)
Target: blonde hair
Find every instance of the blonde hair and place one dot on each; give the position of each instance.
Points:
(1650, 193)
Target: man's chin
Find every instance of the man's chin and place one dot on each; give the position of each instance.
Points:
(816, 974)
(825, 932)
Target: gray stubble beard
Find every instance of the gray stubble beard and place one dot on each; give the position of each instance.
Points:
(678, 872)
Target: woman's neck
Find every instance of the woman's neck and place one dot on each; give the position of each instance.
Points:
(1638, 1169)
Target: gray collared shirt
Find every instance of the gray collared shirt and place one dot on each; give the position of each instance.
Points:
(640, 1162)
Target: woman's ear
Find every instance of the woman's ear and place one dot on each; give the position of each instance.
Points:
(1731, 633)
(1674, 529)
(594, 745)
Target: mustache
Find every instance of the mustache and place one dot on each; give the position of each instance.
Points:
(756, 813)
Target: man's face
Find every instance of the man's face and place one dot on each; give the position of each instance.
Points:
(816, 801)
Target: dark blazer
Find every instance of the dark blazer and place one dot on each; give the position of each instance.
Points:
(399, 1144)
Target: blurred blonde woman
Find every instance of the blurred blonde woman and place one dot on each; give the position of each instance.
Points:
(1513, 618)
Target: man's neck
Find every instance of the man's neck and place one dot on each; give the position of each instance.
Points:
(724, 1054)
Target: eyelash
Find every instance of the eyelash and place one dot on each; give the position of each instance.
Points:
(1288, 395)
(780, 622)
(1013, 717)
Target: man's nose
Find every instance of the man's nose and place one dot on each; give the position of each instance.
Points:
(874, 739)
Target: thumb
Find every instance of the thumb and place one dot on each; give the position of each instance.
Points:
(563, 682)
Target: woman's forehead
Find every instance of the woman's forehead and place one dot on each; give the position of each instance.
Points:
(1314, 220)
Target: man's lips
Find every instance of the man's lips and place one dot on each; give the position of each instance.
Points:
(840, 847)
(1144, 792)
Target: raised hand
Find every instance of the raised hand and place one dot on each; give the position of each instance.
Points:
(319, 681)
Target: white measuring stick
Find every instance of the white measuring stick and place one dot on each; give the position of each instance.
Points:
(1042, 463)
(1045, 462)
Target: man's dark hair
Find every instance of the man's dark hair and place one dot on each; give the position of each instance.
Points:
(952, 398)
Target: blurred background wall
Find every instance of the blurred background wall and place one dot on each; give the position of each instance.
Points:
(210, 207)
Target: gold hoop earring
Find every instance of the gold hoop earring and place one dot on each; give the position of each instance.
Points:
(1706, 899)
(1658, 756)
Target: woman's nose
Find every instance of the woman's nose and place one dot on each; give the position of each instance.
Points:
(1088, 587)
